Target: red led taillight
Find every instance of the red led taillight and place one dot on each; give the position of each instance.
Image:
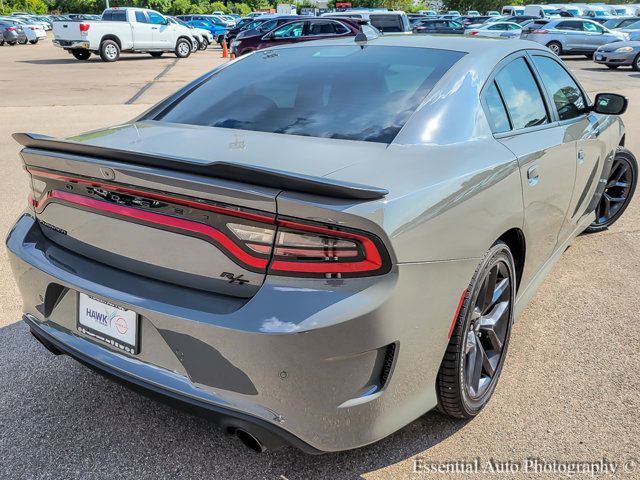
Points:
(259, 242)
(474, 32)
(84, 27)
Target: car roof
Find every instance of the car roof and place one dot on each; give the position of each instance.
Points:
(476, 46)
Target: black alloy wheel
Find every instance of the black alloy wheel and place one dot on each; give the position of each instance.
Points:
(619, 189)
(475, 355)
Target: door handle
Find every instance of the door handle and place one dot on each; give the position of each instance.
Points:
(532, 175)
(580, 157)
(154, 28)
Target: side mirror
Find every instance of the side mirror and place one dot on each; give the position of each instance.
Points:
(610, 104)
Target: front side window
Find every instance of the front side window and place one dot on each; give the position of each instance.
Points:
(522, 95)
(591, 27)
(291, 30)
(156, 18)
(141, 17)
(330, 91)
(268, 26)
(567, 96)
(496, 112)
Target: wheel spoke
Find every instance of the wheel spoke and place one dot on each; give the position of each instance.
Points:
(491, 326)
(489, 286)
(479, 359)
(486, 363)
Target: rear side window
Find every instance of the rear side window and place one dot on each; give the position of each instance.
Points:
(387, 23)
(567, 96)
(575, 26)
(521, 95)
(114, 16)
(496, 112)
(332, 91)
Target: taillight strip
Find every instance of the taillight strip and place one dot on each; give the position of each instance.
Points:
(372, 260)
(155, 218)
(155, 196)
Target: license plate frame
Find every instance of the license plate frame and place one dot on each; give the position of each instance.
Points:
(108, 323)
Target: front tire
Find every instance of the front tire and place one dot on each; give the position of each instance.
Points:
(109, 51)
(21, 42)
(636, 63)
(621, 185)
(81, 54)
(555, 47)
(183, 48)
(156, 54)
(475, 355)
(204, 44)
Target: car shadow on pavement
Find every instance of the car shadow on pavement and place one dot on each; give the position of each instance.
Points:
(93, 59)
(62, 420)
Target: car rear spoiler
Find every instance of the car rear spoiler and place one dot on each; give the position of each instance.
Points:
(265, 177)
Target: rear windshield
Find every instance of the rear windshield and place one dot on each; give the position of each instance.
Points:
(344, 91)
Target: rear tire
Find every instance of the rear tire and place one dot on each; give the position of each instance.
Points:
(23, 42)
(156, 54)
(621, 185)
(12, 43)
(555, 47)
(109, 51)
(636, 63)
(183, 48)
(475, 355)
(33, 42)
(81, 54)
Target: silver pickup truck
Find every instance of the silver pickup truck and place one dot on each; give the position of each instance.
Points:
(135, 30)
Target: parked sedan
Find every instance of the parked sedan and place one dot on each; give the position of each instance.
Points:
(619, 54)
(217, 31)
(312, 244)
(496, 30)
(33, 33)
(439, 26)
(572, 36)
(632, 30)
(303, 30)
(11, 34)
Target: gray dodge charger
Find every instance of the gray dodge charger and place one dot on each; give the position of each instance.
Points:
(316, 244)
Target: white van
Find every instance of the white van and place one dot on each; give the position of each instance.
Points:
(512, 10)
(385, 21)
(542, 11)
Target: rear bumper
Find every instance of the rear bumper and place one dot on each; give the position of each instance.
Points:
(72, 44)
(301, 362)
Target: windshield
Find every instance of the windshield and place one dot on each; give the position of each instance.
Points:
(633, 26)
(600, 13)
(331, 91)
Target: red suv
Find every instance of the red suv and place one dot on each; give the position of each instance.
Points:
(295, 31)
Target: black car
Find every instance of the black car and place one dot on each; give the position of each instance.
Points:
(468, 20)
(262, 27)
(415, 18)
(519, 19)
(620, 22)
(246, 23)
(439, 26)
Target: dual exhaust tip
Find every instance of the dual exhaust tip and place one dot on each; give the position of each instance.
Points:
(248, 439)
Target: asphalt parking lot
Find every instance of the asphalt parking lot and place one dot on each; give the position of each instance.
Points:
(568, 392)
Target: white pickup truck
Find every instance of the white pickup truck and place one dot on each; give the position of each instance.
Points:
(135, 30)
